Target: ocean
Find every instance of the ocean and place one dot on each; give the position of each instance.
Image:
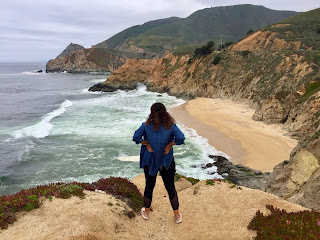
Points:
(52, 129)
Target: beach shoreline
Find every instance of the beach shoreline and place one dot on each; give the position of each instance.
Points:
(229, 128)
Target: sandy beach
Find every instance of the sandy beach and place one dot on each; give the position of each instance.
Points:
(229, 127)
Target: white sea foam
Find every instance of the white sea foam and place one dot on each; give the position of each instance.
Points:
(33, 73)
(86, 91)
(43, 128)
(98, 80)
(126, 158)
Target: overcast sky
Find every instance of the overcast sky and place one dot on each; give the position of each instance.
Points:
(38, 30)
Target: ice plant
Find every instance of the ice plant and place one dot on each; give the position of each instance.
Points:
(29, 199)
(283, 225)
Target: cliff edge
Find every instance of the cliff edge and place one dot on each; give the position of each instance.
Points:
(217, 211)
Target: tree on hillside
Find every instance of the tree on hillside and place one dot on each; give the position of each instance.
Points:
(250, 32)
(204, 50)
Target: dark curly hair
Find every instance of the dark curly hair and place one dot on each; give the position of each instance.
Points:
(158, 116)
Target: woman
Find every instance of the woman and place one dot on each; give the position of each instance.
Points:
(157, 136)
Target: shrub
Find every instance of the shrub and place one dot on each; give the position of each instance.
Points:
(216, 60)
(245, 53)
(204, 50)
(318, 31)
(228, 44)
(210, 182)
(283, 225)
(123, 189)
(282, 95)
(250, 32)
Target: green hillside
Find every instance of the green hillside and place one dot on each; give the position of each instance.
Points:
(233, 22)
(122, 36)
(304, 27)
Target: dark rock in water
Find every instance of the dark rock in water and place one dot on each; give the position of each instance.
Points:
(39, 71)
(208, 165)
(103, 87)
(239, 174)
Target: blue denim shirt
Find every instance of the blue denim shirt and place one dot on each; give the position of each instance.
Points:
(158, 141)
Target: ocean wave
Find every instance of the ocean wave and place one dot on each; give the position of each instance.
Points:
(33, 73)
(43, 128)
(126, 158)
(98, 80)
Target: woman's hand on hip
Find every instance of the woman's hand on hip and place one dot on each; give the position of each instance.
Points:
(149, 147)
(144, 142)
(168, 148)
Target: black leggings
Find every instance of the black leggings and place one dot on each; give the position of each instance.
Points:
(168, 180)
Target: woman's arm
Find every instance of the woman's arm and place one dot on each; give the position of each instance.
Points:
(138, 134)
(178, 136)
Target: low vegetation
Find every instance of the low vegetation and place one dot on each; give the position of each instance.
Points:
(216, 60)
(186, 49)
(283, 225)
(190, 179)
(204, 50)
(312, 88)
(29, 199)
(250, 32)
(303, 27)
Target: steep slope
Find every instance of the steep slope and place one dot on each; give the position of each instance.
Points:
(267, 70)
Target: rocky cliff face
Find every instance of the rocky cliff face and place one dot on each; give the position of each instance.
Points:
(283, 86)
(70, 49)
(75, 59)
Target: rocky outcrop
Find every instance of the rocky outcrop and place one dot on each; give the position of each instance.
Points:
(295, 180)
(239, 174)
(309, 194)
(70, 49)
(86, 60)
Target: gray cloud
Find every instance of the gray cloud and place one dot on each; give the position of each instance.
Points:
(37, 30)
